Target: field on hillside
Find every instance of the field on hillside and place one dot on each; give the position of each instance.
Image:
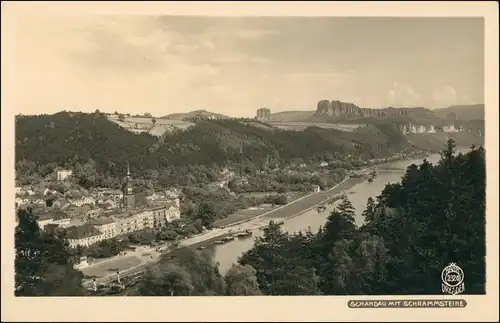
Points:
(142, 124)
(298, 126)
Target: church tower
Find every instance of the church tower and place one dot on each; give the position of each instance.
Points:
(128, 192)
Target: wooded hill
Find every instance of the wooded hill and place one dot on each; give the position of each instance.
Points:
(66, 138)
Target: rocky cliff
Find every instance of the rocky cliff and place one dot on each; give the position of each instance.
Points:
(348, 110)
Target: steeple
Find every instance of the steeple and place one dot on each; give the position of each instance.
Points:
(128, 192)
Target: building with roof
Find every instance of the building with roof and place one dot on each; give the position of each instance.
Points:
(172, 193)
(263, 114)
(115, 195)
(20, 201)
(51, 228)
(76, 221)
(74, 210)
(61, 218)
(83, 235)
(48, 191)
(44, 219)
(136, 220)
(26, 190)
(63, 174)
(94, 213)
(157, 215)
(107, 226)
(86, 200)
(166, 211)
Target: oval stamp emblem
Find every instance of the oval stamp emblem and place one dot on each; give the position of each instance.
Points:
(453, 279)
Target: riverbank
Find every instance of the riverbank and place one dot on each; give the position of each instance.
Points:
(288, 211)
(293, 209)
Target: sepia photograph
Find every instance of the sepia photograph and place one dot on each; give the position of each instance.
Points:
(173, 155)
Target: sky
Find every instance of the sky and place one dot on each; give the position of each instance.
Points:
(234, 66)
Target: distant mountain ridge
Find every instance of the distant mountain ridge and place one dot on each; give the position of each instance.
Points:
(333, 111)
(346, 110)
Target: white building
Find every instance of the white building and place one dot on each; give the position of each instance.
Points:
(94, 213)
(44, 219)
(172, 193)
(63, 174)
(107, 226)
(130, 222)
(173, 212)
(26, 190)
(84, 200)
(21, 201)
(450, 128)
(48, 191)
(61, 218)
(83, 235)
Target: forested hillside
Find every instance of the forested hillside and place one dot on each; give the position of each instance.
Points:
(68, 139)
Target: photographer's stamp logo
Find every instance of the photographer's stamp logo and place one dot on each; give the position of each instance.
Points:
(453, 279)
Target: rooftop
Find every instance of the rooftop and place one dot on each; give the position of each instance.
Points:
(82, 231)
(103, 221)
(106, 205)
(60, 215)
(133, 211)
(83, 208)
(76, 221)
(158, 204)
(45, 216)
(112, 192)
(51, 226)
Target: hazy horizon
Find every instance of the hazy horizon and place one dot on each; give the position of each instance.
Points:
(234, 66)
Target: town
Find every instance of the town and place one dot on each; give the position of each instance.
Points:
(102, 214)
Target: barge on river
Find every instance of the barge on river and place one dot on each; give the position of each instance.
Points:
(244, 234)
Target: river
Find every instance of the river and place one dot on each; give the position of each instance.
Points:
(228, 253)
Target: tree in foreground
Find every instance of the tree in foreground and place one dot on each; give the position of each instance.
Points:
(241, 281)
(43, 262)
(280, 267)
